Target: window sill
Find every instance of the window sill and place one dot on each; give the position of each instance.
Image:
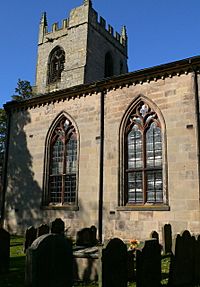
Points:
(146, 207)
(60, 207)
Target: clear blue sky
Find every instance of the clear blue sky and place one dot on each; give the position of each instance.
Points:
(159, 31)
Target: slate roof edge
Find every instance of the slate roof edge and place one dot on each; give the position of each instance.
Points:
(154, 73)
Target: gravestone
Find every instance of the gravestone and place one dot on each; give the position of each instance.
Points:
(49, 262)
(30, 236)
(4, 250)
(197, 261)
(148, 265)
(114, 264)
(58, 226)
(167, 238)
(86, 237)
(182, 267)
(42, 229)
(155, 235)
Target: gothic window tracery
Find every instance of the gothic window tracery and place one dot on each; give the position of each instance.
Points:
(62, 182)
(143, 157)
(56, 65)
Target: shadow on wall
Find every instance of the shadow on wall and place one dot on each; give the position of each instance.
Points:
(23, 194)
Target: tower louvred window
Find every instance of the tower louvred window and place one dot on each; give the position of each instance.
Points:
(56, 65)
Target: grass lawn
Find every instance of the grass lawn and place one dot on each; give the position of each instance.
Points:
(15, 277)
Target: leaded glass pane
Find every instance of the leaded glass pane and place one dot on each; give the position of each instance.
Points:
(134, 148)
(135, 193)
(57, 157)
(56, 189)
(71, 156)
(153, 146)
(70, 188)
(154, 186)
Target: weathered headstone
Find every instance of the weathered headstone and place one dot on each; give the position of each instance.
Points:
(114, 264)
(58, 226)
(148, 265)
(42, 229)
(30, 236)
(49, 262)
(182, 268)
(86, 237)
(155, 235)
(167, 238)
(197, 261)
(4, 250)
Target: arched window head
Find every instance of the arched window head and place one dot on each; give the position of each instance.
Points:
(108, 65)
(56, 65)
(143, 174)
(62, 175)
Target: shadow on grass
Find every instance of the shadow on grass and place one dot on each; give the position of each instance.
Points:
(15, 277)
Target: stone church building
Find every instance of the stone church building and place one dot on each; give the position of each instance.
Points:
(101, 146)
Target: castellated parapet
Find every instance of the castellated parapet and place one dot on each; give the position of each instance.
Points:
(86, 39)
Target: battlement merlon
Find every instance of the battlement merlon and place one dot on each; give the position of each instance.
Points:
(78, 16)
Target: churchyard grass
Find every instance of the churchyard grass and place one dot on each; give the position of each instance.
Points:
(15, 277)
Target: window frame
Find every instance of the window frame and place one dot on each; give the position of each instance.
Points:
(46, 204)
(123, 191)
(51, 78)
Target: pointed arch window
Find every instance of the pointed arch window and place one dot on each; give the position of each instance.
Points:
(56, 64)
(143, 172)
(62, 170)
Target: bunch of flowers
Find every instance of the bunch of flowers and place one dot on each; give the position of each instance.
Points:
(133, 244)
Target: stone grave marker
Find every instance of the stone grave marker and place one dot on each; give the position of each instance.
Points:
(4, 250)
(58, 226)
(197, 261)
(42, 229)
(86, 237)
(182, 267)
(155, 235)
(148, 264)
(167, 238)
(114, 264)
(30, 236)
(49, 262)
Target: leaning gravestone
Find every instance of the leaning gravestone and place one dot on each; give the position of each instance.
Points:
(58, 226)
(114, 264)
(42, 229)
(30, 236)
(182, 267)
(49, 262)
(4, 250)
(148, 265)
(86, 237)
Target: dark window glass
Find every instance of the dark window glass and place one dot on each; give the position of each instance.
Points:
(56, 65)
(108, 65)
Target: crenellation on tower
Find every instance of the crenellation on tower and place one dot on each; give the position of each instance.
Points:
(84, 40)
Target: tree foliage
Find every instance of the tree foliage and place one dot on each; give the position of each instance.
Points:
(24, 90)
(3, 120)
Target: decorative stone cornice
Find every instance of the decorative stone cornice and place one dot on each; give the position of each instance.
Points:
(139, 77)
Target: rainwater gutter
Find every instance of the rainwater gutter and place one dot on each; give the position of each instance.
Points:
(101, 169)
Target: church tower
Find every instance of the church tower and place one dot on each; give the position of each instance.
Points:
(83, 50)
